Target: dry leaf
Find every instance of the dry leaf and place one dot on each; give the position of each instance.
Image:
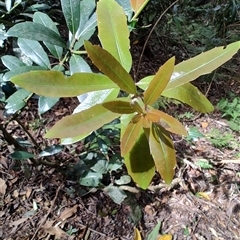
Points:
(3, 186)
(204, 124)
(28, 193)
(68, 212)
(15, 193)
(57, 232)
(3, 162)
(17, 222)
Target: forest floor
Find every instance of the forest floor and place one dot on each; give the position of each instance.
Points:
(203, 201)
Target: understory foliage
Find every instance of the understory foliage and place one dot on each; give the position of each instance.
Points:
(146, 143)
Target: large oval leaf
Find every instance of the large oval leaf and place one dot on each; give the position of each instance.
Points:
(190, 95)
(162, 150)
(191, 69)
(37, 32)
(121, 106)
(34, 51)
(46, 21)
(113, 31)
(107, 64)
(139, 162)
(71, 12)
(159, 82)
(81, 123)
(55, 84)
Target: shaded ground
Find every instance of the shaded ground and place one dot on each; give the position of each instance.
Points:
(202, 202)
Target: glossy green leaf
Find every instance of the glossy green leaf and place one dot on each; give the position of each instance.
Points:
(37, 32)
(113, 31)
(162, 151)
(71, 12)
(189, 94)
(55, 84)
(88, 20)
(34, 51)
(21, 155)
(46, 103)
(72, 140)
(139, 162)
(96, 97)
(107, 64)
(24, 69)
(12, 62)
(77, 64)
(45, 20)
(52, 150)
(191, 69)
(83, 122)
(159, 82)
(130, 137)
(168, 122)
(121, 106)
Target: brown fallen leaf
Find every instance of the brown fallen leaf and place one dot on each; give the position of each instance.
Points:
(68, 212)
(17, 222)
(3, 186)
(57, 232)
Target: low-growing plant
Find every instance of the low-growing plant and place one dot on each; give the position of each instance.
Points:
(146, 142)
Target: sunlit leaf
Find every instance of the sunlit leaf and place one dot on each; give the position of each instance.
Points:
(113, 31)
(81, 123)
(190, 95)
(165, 237)
(159, 82)
(192, 68)
(52, 150)
(119, 106)
(37, 32)
(168, 122)
(107, 64)
(55, 84)
(130, 136)
(139, 162)
(162, 150)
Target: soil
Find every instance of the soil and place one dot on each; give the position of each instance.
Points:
(201, 203)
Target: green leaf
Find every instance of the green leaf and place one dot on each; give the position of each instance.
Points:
(37, 32)
(34, 51)
(49, 151)
(154, 233)
(71, 12)
(46, 103)
(119, 106)
(96, 97)
(90, 179)
(55, 84)
(12, 62)
(107, 64)
(162, 150)
(191, 69)
(190, 95)
(159, 82)
(45, 20)
(113, 31)
(77, 64)
(115, 193)
(139, 162)
(21, 155)
(71, 140)
(168, 122)
(129, 137)
(81, 123)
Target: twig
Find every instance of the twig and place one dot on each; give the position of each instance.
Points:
(150, 33)
(49, 211)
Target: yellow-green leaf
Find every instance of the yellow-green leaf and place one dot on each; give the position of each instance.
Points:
(190, 95)
(137, 235)
(159, 82)
(139, 162)
(129, 137)
(170, 123)
(107, 64)
(165, 237)
(81, 123)
(138, 6)
(113, 31)
(162, 150)
(55, 84)
(119, 106)
(192, 68)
